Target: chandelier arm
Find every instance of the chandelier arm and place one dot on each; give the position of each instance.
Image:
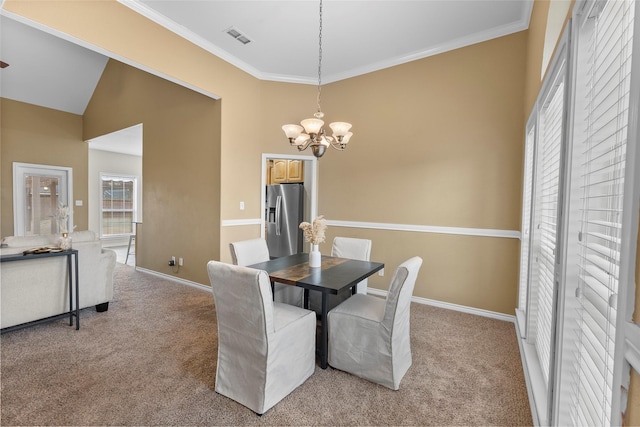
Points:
(338, 145)
(305, 145)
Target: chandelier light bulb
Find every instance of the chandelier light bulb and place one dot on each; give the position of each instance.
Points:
(345, 139)
(301, 139)
(292, 131)
(340, 128)
(312, 126)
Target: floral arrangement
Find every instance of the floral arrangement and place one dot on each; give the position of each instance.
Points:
(62, 216)
(314, 233)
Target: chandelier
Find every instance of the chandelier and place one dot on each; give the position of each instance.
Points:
(311, 133)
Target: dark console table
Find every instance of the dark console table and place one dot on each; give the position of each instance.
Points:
(72, 267)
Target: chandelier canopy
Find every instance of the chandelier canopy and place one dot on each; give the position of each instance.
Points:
(311, 133)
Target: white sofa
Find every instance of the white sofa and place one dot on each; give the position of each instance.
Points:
(37, 289)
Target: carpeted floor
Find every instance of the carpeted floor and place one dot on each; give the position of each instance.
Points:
(151, 360)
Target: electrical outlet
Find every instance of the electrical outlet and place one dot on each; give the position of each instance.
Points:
(172, 262)
(180, 262)
(381, 273)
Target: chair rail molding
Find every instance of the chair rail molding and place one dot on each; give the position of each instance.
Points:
(240, 222)
(484, 232)
(463, 231)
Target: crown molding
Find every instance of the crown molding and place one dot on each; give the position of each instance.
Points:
(189, 35)
(521, 25)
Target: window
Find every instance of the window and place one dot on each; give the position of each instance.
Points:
(599, 141)
(527, 192)
(118, 205)
(545, 219)
(544, 148)
(578, 291)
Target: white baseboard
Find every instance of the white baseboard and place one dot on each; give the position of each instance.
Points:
(175, 279)
(373, 291)
(450, 306)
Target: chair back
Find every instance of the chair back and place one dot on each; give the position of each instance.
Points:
(348, 247)
(244, 305)
(352, 248)
(396, 311)
(248, 252)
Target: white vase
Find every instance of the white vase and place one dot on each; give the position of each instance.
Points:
(315, 258)
(65, 242)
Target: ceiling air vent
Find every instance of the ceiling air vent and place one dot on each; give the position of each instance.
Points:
(233, 32)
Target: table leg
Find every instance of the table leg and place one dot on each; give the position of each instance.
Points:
(77, 294)
(273, 290)
(324, 332)
(306, 299)
(70, 273)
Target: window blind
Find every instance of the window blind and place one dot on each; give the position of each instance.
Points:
(546, 201)
(603, 83)
(526, 218)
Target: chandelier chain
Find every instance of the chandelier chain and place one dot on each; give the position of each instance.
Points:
(311, 134)
(320, 58)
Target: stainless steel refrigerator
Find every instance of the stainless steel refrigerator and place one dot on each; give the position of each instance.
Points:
(283, 215)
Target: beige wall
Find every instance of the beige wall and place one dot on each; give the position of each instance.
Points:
(437, 142)
(181, 164)
(38, 135)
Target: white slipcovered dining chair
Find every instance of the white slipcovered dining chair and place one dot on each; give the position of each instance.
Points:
(352, 248)
(369, 336)
(253, 251)
(265, 349)
(344, 247)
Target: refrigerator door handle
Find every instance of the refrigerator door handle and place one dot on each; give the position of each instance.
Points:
(278, 213)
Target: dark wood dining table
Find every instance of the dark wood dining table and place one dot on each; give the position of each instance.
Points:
(334, 276)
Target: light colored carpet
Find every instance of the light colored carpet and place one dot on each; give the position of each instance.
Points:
(151, 360)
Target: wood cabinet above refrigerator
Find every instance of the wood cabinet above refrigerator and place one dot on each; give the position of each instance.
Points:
(283, 171)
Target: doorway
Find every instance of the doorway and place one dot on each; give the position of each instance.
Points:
(115, 186)
(310, 174)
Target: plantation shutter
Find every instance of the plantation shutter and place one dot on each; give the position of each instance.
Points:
(545, 220)
(600, 137)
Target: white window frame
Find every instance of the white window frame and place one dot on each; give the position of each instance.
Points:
(528, 187)
(20, 170)
(134, 178)
(541, 391)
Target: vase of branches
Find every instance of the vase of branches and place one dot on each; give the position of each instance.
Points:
(314, 234)
(65, 242)
(63, 226)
